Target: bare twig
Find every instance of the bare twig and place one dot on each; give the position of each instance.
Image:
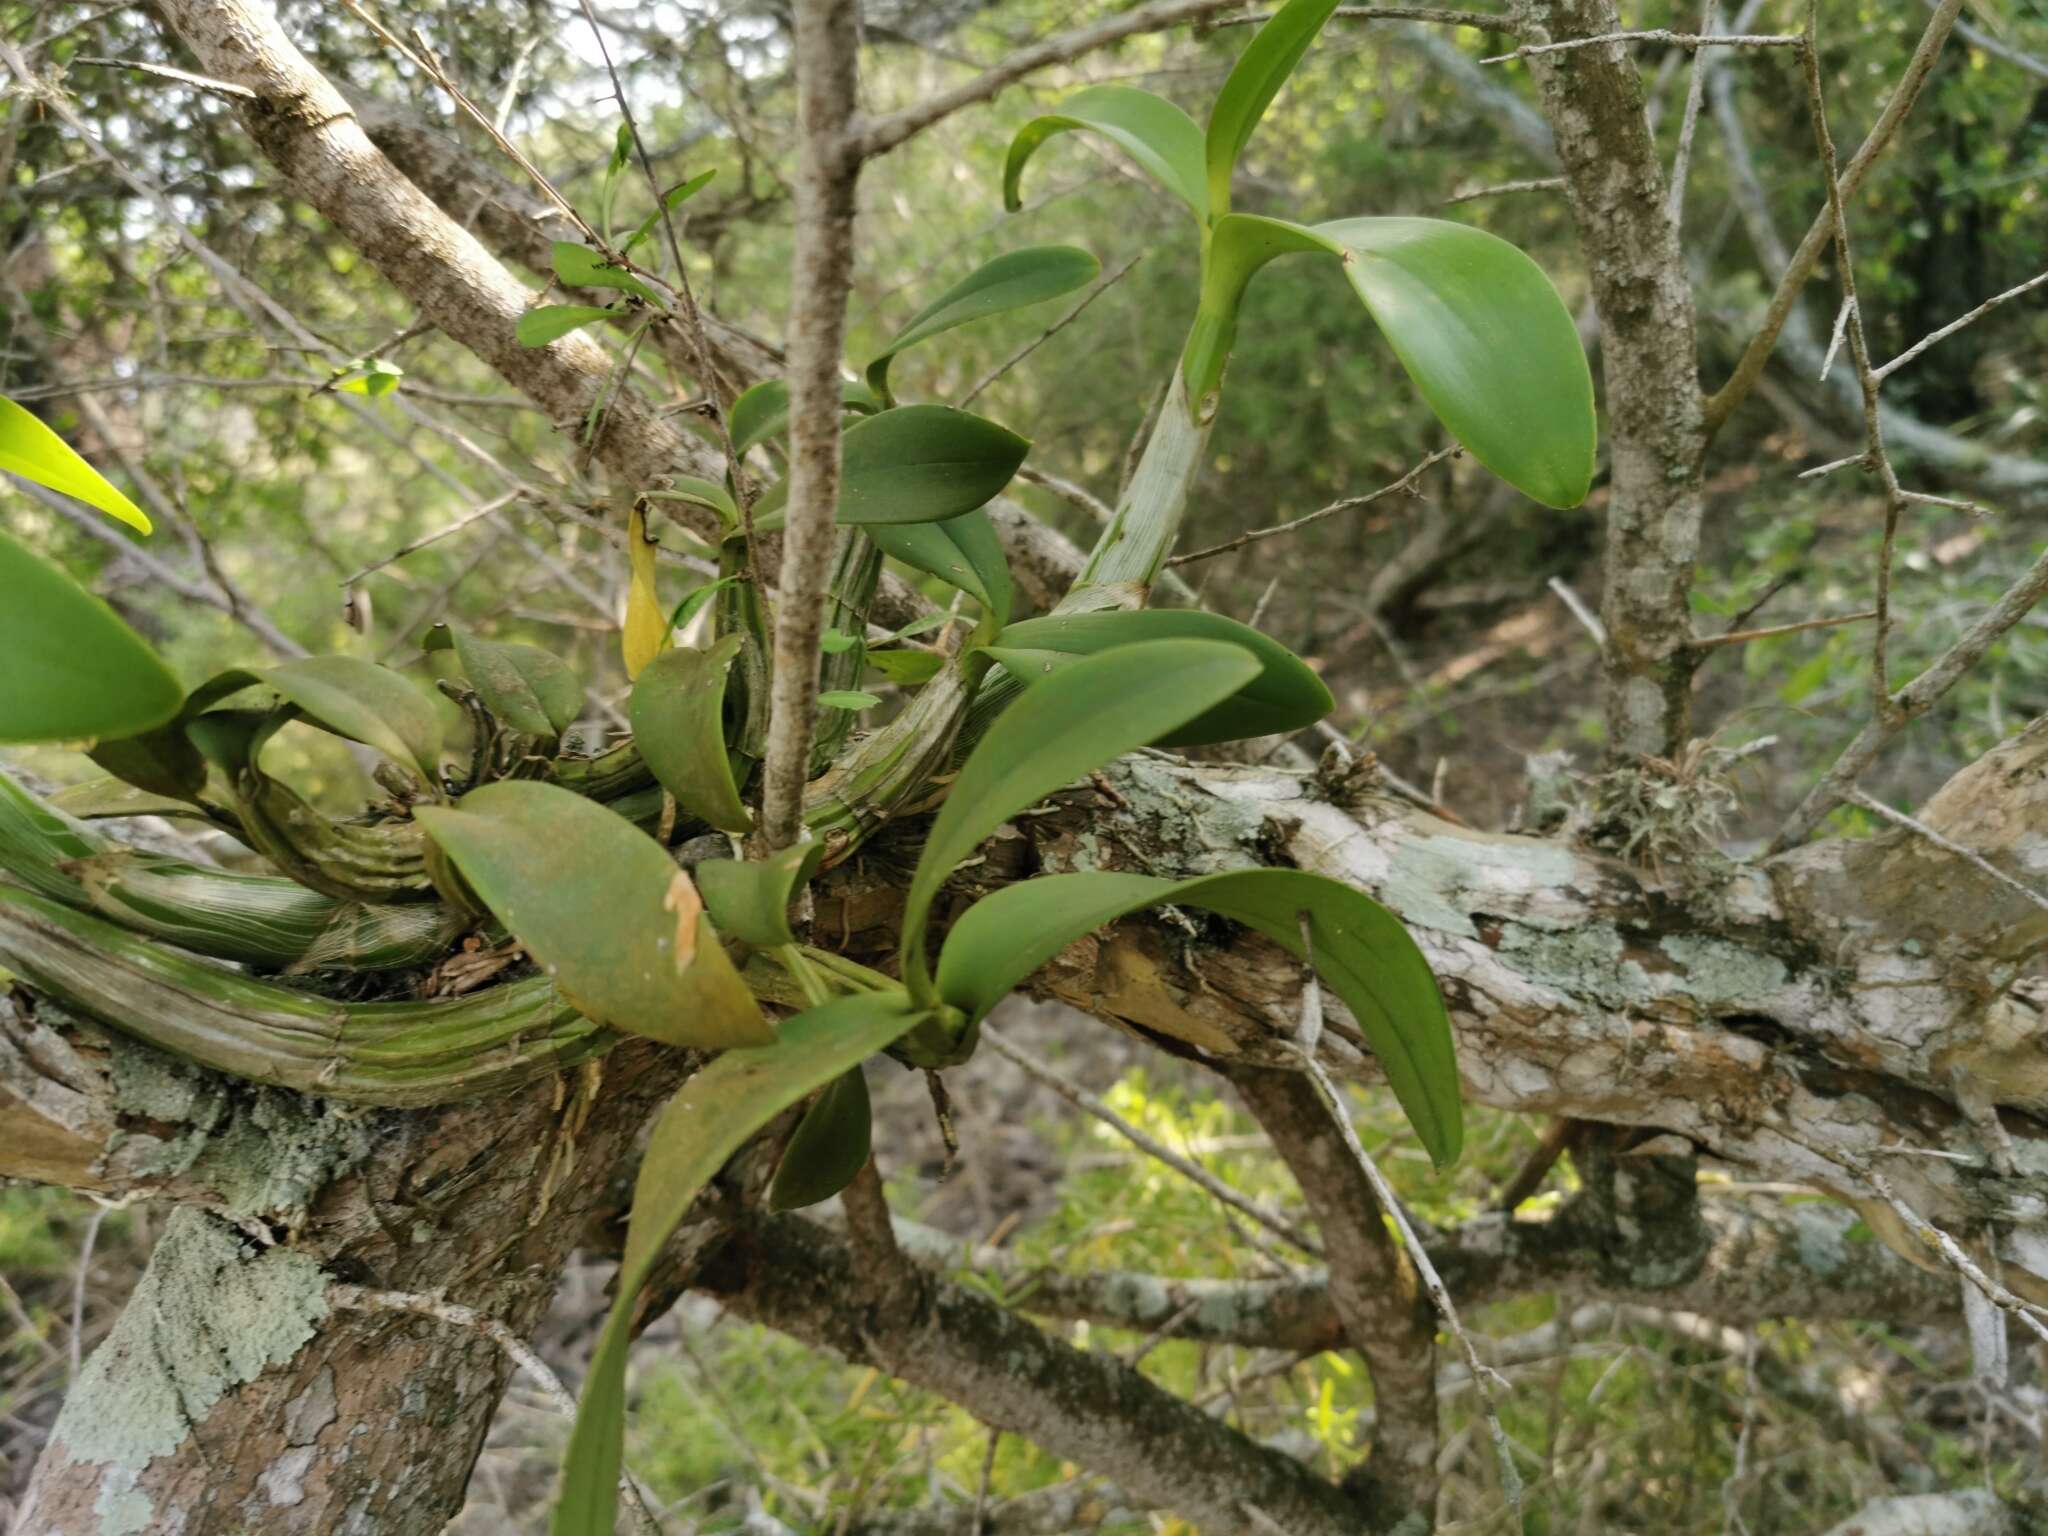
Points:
(880, 135)
(1914, 700)
(1744, 636)
(1657, 35)
(1403, 486)
(1957, 324)
(475, 514)
(1101, 287)
(1948, 845)
(1579, 609)
(821, 273)
(180, 76)
(1485, 21)
(1681, 164)
(1085, 1101)
(1534, 184)
(1750, 367)
(1950, 1252)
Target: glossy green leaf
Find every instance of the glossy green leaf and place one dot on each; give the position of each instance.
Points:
(1285, 696)
(678, 715)
(373, 377)
(1253, 82)
(528, 688)
(31, 450)
(711, 1117)
(551, 322)
(693, 602)
(762, 411)
(1011, 281)
(700, 492)
(1150, 129)
(1487, 341)
(367, 703)
(1475, 322)
(827, 1148)
(1070, 724)
(1361, 950)
(602, 908)
(963, 552)
(581, 267)
(907, 668)
(69, 668)
(915, 464)
(749, 899)
(673, 199)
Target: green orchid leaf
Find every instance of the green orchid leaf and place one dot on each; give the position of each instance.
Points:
(762, 411)
(848, 698)
(614, 167)
(835, 643)
(699, 492)
(602, 908)
(827, 1148)
(73, 670)
(1478, 326)
(163, 761)
(678, 715)
(367, 703)
(749, 899)
(524, 686)
(31, 450)
(1253, 82)
(907, 668)
(1150, 129)
(1361, 950)
(914, 464)
(963, 552)
(711, 1117)
(1487, 341)
(373, 377)
(551, 322)
(581, 267)
(675, 197)
(1285, 696)
(1011, 281)
(1069, 724)
(693, 602)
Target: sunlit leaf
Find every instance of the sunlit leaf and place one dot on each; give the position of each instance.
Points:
(711, 1117)
(1150, 129)
(69, 668)
(827, 1148)
(1361, 950)
(551, 322)
(602, 908)
(907, 668)
(762, 411)
(1475, 322)
(581, 267)
(847, 698)
(373, 378)
(1011, 281)
(1253, 82)
(678, 715)
(1285, 696)
(673, 199)
(31, 450)
(1070, 724)
(367, 703)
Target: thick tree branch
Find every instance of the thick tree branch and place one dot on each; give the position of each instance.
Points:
(1374, 1288)
(1088, 1408)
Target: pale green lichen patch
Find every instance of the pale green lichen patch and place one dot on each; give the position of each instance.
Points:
(268, 1153)
(1722, 976)
(210, 1313)
(1588, 961)
(1439, 882)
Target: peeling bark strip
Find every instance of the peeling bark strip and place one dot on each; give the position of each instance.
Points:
(1656, 437)
(308, 131)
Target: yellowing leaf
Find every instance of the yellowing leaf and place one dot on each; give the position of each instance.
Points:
(646, 632)
(31, 450)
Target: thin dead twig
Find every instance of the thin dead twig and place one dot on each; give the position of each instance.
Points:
(1657, 35)
(1403, 486)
